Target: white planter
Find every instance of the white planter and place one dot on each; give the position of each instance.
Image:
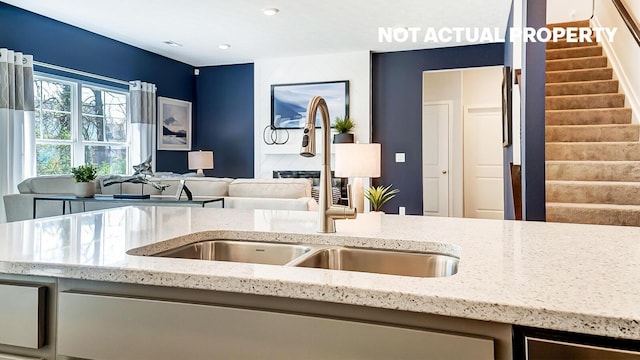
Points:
(85, 189)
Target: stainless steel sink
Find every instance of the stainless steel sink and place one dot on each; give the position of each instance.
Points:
(321, 257)
(382, 262)
(239, 251)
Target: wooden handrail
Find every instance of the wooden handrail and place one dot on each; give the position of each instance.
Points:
(631, 24)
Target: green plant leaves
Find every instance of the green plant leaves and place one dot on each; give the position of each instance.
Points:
(344, 125)
(84, 173)
(380, 195)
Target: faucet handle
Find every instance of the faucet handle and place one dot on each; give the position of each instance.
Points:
(341, 212)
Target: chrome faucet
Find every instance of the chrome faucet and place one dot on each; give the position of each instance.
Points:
(327, 212)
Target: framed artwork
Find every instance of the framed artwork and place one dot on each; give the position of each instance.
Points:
(289, 102)
(507, 133)
(174, 124)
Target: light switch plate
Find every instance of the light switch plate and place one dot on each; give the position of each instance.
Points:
(400, 157)
(402, 210)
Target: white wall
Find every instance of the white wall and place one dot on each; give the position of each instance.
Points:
(468, 87)
(568, 10)
(623, 53)
(633, 6)
(355, 67)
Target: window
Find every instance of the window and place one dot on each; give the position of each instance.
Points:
(78, 123)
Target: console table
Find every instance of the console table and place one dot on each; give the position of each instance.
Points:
(109, 198)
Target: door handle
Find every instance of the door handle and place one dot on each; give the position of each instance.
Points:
(444, 172)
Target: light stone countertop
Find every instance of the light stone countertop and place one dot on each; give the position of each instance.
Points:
(579, 278)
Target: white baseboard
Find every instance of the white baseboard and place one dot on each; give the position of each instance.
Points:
(619, 73)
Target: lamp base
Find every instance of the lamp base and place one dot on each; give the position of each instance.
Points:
(357, 193)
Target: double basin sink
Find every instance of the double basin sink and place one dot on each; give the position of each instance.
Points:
(322, 257)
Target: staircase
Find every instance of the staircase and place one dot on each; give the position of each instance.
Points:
(592, 148)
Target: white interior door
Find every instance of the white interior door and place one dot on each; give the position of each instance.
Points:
(483, 171)
(436, 118)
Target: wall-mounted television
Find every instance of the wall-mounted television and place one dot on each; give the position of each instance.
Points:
(289, 102)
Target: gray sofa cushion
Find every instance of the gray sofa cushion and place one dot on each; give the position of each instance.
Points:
(270, 188)
(199, 186)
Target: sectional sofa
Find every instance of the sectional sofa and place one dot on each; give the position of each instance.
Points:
(274, 194)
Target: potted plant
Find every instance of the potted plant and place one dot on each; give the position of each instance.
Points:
(343, 126)
(379, 196)
(84, 176)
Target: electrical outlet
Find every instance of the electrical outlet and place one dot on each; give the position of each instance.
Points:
(402, 210)
(400, 157)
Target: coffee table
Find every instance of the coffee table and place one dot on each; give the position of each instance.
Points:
(109, 198)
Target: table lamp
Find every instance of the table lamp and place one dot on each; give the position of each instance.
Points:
(199, 160)
(357, 161)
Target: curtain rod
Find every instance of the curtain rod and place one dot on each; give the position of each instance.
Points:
(82, 73)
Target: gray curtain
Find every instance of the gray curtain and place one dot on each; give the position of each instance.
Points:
(17, 122)
(143, 122)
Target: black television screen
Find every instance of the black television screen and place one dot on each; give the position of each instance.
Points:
(289, 102)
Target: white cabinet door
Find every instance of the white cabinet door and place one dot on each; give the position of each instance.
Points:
(110, 327)
(483, 171)
(22, 315)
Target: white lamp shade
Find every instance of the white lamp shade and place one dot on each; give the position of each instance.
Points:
(200, 160)
(357, 160)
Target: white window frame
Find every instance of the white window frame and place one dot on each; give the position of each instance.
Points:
(76, 141)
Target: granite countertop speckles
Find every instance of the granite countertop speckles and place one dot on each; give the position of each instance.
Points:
(579, 278)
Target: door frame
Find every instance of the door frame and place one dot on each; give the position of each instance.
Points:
(449, 149)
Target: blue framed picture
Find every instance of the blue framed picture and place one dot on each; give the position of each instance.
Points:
(289, 102)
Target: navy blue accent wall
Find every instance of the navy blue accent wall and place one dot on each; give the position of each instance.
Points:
(533, 115)
(397, 111)
(225, 119)
(56, 43)
(507, 158)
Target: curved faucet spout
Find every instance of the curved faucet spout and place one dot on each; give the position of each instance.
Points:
(327, 212)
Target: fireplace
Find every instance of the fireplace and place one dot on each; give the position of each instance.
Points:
(339, 185)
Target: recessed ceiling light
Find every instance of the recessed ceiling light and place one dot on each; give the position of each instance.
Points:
(224, 46)
(270, 11)
(172, 43)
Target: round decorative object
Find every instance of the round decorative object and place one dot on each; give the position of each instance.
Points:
(345, 138)
(85, 189)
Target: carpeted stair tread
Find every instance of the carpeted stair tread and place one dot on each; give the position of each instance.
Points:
(564, 44)
(593, 170)
(578, 63)
(578, 52)
(614, 151)
(579, 75)
(582, 87)
(594, 192)
(592, 133)
(588, 116)
(588, 101)
(600, 214)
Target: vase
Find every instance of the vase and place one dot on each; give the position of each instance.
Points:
(346, 138)
(84, 189)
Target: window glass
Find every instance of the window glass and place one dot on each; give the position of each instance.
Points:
(78, 123)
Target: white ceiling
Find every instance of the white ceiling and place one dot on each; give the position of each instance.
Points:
(303, 27)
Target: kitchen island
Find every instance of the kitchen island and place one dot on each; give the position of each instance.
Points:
(576, 278)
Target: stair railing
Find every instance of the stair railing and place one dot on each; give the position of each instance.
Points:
(628, 20)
